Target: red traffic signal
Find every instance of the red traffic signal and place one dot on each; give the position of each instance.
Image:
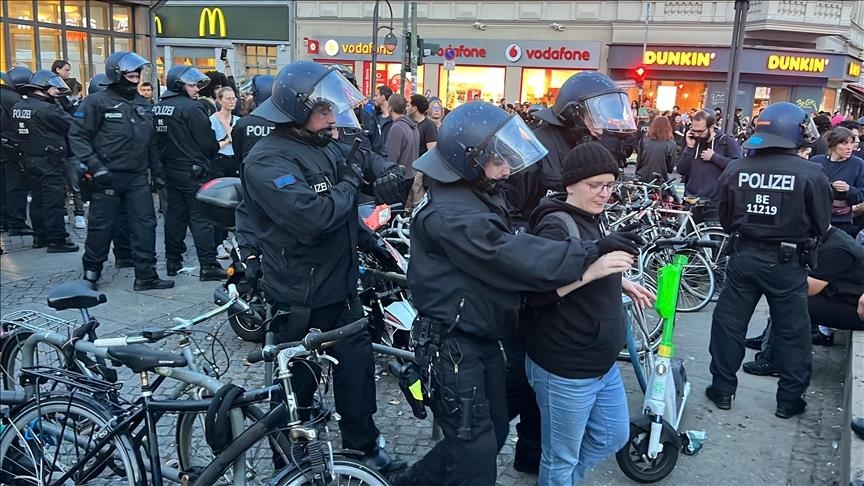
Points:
(639, 74)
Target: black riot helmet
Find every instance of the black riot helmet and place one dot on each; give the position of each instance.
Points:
(184, 75)
(301, 86)
(782, 125)
(97, 83)
(475, 134)
(123, 62)
(259, 86)
(43, 80)
(590, 98)
(19, 76)
(347, 72)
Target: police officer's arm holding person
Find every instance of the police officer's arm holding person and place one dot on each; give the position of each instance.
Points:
(300, 201)
(776, 206)
(467, 274)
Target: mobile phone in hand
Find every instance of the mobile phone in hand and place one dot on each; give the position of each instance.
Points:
(223, 55)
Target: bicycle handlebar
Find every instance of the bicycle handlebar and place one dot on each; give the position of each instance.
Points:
(313, 340)
(687, 243)
(394, 277)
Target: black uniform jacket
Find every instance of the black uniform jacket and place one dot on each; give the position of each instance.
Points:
(8, 98)
(41, 124)
(774, 196)
(525, 189)
(247, 132)
(468, 269)
(184, 135)
(305, 220)
(115, 131)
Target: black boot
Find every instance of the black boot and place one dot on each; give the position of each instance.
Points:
(22, 231)
(93, 277)
(65, 247)
(172, 267)
(382, 462)
(212, 272)
(152, 283)
(38, 242)
(760, 367)
(756, 342)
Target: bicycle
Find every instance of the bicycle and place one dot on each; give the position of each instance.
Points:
(78, 420)
(652, 450)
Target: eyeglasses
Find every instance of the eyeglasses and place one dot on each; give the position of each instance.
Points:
(598, 187)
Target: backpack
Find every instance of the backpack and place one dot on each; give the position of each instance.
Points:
(572, 227)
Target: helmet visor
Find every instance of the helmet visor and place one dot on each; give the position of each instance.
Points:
(57, 82)
(811, 133)
(194, 77)
(247, 87)
(610, 111)
(346, 119)
(336, 91)
(131, 62)
(513, 144)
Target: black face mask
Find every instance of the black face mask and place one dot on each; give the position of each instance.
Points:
(317, 139)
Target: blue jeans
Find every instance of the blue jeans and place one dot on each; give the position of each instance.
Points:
(583, 421)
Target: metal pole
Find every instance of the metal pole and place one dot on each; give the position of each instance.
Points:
(644, 48)
(414, 47)
(374, 48)
(154, 75)
(741, 8)
(407, 51)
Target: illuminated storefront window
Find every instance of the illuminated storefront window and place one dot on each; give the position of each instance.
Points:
(469, 83)
(541, 85)
(260, 60)
(83, 32)
(665, 95)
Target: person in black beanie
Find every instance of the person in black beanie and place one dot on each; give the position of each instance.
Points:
(574, 334)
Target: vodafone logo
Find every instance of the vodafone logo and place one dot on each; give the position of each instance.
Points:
(513, 52)
(312, 46)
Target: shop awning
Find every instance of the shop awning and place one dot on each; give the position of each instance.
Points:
(855, 89)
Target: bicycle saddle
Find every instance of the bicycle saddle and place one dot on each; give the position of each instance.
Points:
(138, 358)
(75, 295)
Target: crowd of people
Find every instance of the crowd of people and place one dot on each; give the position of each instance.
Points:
(507, 248)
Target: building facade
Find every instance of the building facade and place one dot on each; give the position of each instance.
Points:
(35, 33)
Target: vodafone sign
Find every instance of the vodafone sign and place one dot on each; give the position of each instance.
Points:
(582, 55)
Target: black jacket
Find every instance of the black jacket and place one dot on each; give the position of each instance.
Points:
(116, 132)
(41, 124)
(468, 269)
(8, 130)
(247, 132)
(701, 176)
(525, 189)
(578, 335)
(774, 196)
(184, 135)
(304, 218)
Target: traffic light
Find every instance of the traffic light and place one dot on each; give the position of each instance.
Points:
(639, 75)
(425, 49)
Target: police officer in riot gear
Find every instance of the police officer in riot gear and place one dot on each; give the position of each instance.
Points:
(115, 140)
(14, 185)
(42, 126)
(121, 240)
(467, 274)
(187, 146)
(300, 192)
(369, 132)
(251, 128)
(776, 206)
(587, 104)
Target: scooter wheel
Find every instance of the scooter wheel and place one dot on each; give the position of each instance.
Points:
(635, 464)
(248, 328)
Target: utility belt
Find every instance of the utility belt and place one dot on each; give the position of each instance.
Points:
(787, 251)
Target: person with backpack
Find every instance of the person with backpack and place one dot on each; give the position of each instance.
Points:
(574, 334)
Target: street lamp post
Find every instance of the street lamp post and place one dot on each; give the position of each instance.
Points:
(390, 41)
(741, 8)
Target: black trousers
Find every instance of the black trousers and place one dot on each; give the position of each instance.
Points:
(17, 186)
(751, 273)
(353, 377)
(129, 192)
(467, 368)
(122, 238)
(521, 402)
(48, 187)
(182, 213)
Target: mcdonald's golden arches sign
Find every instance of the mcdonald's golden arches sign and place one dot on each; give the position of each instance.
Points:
(211, 22)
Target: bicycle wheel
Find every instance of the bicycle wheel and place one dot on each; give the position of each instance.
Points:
(646, 327)
(49, 438)
(46, 354)
(697, 279)
(194, 452)
(717, 257)
(345, 471)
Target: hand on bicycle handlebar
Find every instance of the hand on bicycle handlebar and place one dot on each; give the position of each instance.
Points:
(620, 241)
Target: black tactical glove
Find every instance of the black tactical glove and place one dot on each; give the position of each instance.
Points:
(199, 172)
(620, 241)
(157, 183)
(101, 177)
(390, 187)
(253, 269)
(375, 248)
(351, 173)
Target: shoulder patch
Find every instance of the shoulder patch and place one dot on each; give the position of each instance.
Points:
(79, 114)
(284, 181)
